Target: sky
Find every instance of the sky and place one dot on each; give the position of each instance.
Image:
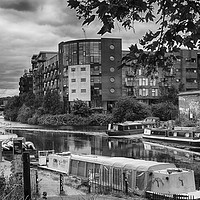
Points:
(30, 26)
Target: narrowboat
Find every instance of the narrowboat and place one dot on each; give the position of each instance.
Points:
(129, 176)
(132, 127)
(187, 136)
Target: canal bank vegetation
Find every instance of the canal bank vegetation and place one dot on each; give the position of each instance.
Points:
(48, 110)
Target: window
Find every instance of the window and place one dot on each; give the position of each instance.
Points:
(193, 60)
(153, 82)
(112, 46)
(143, 92)
(73, 91)
(83, 90)
(140, 72)
(154, 92)
(112, 58)
(73, 69)
(73, 80)
(112, 69)
(83, 69)
(96, 68)
(112, 90)
(83, 79)
(112, 79)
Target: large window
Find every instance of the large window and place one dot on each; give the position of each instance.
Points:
(89, 52)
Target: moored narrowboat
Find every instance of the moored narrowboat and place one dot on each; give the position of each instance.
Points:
(132, 127)
(131, 176)
(188, 136)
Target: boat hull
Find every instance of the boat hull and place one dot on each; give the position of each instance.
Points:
(126, 132)
(182, 141)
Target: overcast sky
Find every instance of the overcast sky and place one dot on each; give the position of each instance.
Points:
(30, 26)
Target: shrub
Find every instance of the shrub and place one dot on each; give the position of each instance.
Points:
(24, 114)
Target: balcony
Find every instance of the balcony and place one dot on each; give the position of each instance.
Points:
(130, 73)
(129, 84)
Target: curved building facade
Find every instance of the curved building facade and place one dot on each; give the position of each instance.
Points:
(89, 71)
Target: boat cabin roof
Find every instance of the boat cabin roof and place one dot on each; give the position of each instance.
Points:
(128, 123)
(125, 163)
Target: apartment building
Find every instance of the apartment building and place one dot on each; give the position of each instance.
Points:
(89, 71)
(26, 82)
(43, 66)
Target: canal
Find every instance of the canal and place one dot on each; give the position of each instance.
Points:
(110, 146)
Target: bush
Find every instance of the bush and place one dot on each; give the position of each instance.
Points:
(24, 114)
(71, 120)
(165, 111)
(100, 120)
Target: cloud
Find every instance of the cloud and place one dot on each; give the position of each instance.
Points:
(19, 5)
(28, 27)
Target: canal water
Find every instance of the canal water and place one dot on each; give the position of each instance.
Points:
(110, 146)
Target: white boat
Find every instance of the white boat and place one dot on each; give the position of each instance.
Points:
(132, 176)
(186, 136)
(5, 135)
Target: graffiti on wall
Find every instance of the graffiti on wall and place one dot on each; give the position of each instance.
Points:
(189, 106)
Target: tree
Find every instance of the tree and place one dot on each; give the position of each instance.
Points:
(81, 108)
(165, 111)
(12, 107)
(169, 94)
(178, 25)
(51, 103)
(128, 108)
(28, 99)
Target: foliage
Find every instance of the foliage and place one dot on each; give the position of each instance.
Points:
(128, 108)
(165, 111)
(24, 114)
(185, 121)
(51, 103)
(100, 119)
(169, 95)
(177, 24)
(12, 108)
(81, 108)
(73, 120)
(28, 99)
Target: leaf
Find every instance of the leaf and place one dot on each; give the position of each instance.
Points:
(89, 20)
(73, 4)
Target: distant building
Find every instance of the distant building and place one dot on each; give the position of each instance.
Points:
(43, 65)
(26, 82)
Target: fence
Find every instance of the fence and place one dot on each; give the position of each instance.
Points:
(101, 181)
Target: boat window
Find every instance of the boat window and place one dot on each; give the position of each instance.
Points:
(89, 166)
(197, 135)
(187, 134)
(175, 134)
(132, 127)
(105, 174)
(120, 128)
(171, 133)
(126, 128)
(127, 174)
(117, 178)
(140, 179)
(74, 166)
(81, 168)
